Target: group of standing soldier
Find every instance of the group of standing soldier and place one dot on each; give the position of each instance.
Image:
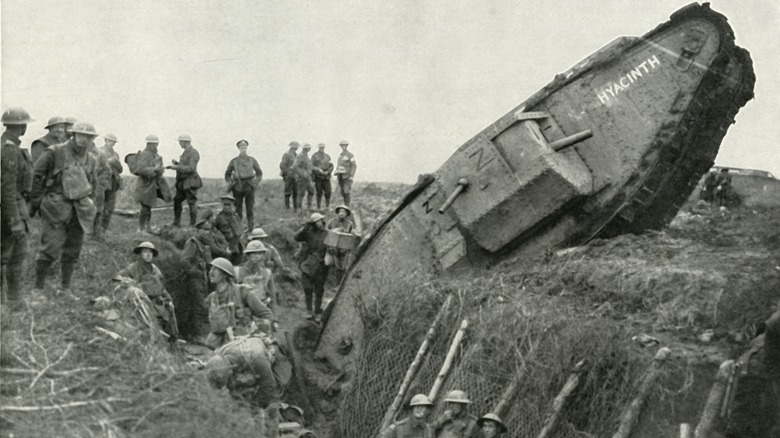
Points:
(305, 176)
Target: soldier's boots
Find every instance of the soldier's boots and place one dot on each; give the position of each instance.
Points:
(193, 213)
(287, 202)
(177, 215)
(308, 202)
(68, 266)
(13, 275)
(105, 220)
(347, 198)
(41, 271)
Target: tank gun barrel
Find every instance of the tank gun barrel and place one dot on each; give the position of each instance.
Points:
(462, 184)
(573, 139)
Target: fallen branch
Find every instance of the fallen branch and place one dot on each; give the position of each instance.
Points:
(631, 413)
(58, 407)
(709, 415)
(47, 373)
(49, 366)
(560, 400)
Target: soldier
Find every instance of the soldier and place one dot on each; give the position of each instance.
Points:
(187, 180)
(272, 260)
(150, 183)
(413, 426)
(723, 190)
(244, 174)
(322, 168)
(115, 181)
(233, 310)
(56, 135)
(229, 224)
(345, 171)
(491, 425)
(302, 170)
(14, 180)
(342, 223)
(255, 274)
(288, 175)
(63, 187)
(455, 421)
(103, 183)
(244, 365)
(314, 272)
(150, 280)
(708, 186)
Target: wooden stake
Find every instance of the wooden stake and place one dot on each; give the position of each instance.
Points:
(685, 430)
(560, 400)
(632, 411)
(709, 415)
(415, 366)
(445, 368)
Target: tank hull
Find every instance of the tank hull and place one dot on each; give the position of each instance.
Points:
(614, 145)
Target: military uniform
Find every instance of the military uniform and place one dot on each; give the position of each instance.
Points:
(150, 280)
(345, 171)
(340, 256)
(150, 184)
(302, 170)
(248, 363)
(244, 174)
(113, 185)
(199, 251)
(13, 206)
(456, 427)
(261, 280)
(289, 178)
(408, 428)
(246, 307)
(41, 144)
(103, 184)
(314, 272)
(66, 215)
(229, 224)
(273, 261)
(322, 168)
(187, 184)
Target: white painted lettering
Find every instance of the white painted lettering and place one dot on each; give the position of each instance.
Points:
(629, 78)
(624, 85)
(635, 73)
(603, 97)
(654, 61)
(644, 66)
(609, 88)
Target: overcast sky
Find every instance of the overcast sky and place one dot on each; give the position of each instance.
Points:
(405, 81)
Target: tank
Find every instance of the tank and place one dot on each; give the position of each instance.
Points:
(614, 145)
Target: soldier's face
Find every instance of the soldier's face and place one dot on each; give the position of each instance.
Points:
(242, 149)
(342, 214)
(456, 408)
(216, 275)
(110, 143)
(228, 206)
(489, 429)
(344, 147)
(256, 257)
(58, 131)
(420, 412)
(82, 140)
(152, 147)
(320, 224)
(184, 143)
(147, 255)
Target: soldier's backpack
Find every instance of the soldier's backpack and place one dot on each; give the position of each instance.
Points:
(221, 316)
(131, 160)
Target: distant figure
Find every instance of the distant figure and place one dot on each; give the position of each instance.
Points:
(103, 184)
(229, 224)
(150, 280)
(63, 187)
(413, 426)
(187, 181)
(288, 175)
(491, 425)
(345, 171)
(455, 420)
(302, 170)
(708, 186)
(244, 175)
(56, 135)
(322, 169)
(150, 183)
(342, 223)
(15, 188)
(115, 185)
(314, 272)
(723, 191)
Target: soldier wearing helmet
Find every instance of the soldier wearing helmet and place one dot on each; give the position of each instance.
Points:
(455, 421)
(114, 184)
(491, 425)
(322, 169)
(63, 187)
(272, 260)
(15, 182)
(413, 426)
(244, 366)
(314, 271)
(345, 171)
(103, 184)
(233, 310)
(302, 169)
(150, 183)
(342, 223)
(150, 280)
(244, 175)
(288, 175)
(228, 222)
(256, 275)
(56, 135)
(187, 181)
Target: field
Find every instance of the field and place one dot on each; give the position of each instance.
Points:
(711, 270)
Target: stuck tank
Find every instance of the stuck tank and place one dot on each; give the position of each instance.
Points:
(614, 145)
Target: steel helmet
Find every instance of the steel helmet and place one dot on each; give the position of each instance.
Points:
(257, 233)
(70, 120)
(306, 146)
(151, 138)
(56, 120)
(227, 196)
(83, 128)
(224, 265)
(494, 418)
(345, 208)
(420, 400)
(207, 216)
(219, 370)
(343, 143)
(146, 245)
(255, 246)
(111, 137)
(316, 217)
(457, 396)
(294, 144)
(321, 145)
(16, 115)
(184, 137)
